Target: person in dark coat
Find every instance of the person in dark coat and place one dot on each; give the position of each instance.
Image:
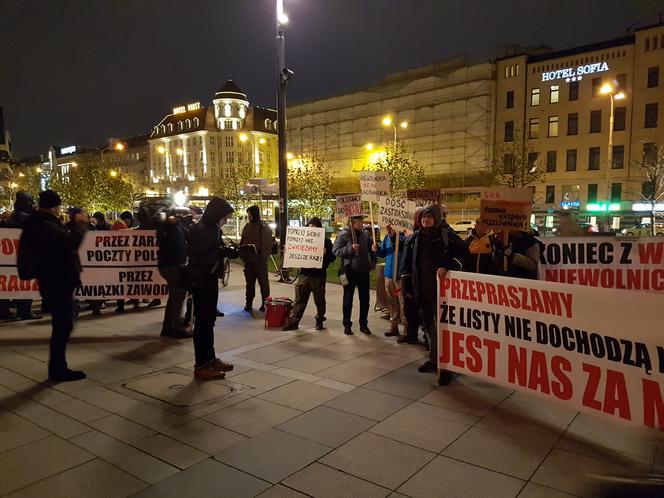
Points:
(430, 252)
(312, 281)
(206, 252)
(24, 205)
(523, 255)
(358, 259)
(255, 250)
(54, 249)
(171, 258)
(100, 221)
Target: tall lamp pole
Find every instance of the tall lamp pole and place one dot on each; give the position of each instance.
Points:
(387, 121)
(283, 74)
(608, 89)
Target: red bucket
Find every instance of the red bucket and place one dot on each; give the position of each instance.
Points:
(277, 311)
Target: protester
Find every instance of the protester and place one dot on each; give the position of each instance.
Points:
(523, 255)
(354, 245)
(411, 309)
(481, 245)
(121, 224)
(567, 227)
(393, 285)
(312, 281)
(171, 258)
(430, 252)
(255, 250)
(101, 223)
(206, 261)
(52, 253)
(127, 218)
(24, 205)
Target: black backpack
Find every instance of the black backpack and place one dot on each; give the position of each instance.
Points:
(27, 262)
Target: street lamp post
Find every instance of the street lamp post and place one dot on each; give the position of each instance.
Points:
(387, 121)
(608, 89)
(283, 74)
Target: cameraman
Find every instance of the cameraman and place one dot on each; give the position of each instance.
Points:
(206, 264)
(172, 256)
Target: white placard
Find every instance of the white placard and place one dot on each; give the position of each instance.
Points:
(304, 248)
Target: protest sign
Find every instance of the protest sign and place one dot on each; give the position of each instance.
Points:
(399, 213)
(349, 205)
(423, 196)
(118, 264)
(374, 184)
(505, 209)
(623, 263)
(304, 248)
(11, 287)
(596, 350)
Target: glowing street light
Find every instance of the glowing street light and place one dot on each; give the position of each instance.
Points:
(161, 149)
(387, 121)
(289, 156)
(179, 152)
(21, 175)
(243, 137)
(74, 164)
(38, 170)
(369, 146)
(119, 146)
(113, 173)
(261, 141)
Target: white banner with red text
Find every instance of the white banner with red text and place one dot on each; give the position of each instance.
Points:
(118, 264)
(612, 263)
(596, 350)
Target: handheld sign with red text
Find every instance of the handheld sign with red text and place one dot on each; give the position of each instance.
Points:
(505, 209)
(11, 287)
(423, 196)
(567, 343)
(348, 205)
(304, 248)
(626, 263)
(374, 184)
(399, 213)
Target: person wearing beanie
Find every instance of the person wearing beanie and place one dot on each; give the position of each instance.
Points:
(311, 281)
(429, 254)
(53, 250)
(207, 252)
(255, 250)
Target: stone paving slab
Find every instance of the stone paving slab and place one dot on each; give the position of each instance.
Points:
(311, 414)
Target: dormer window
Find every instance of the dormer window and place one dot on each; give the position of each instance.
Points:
(170, 127)
(268, 124)
(243, 111)
(196, 122)
(227, 110)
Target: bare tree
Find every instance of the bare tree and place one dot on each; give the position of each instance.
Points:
(652, 188)
(516, 164)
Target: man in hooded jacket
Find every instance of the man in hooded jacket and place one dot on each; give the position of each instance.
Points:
(432, 247)
(206, 260)
(255, 250)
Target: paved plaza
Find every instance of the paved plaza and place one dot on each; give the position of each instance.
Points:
(303, 414)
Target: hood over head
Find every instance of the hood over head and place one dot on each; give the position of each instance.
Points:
(24, 202)
(216, 209)
(255, 213)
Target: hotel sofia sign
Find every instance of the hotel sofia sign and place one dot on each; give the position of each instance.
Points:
(575, 74)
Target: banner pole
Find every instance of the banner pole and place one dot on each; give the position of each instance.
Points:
(506, 235)
(396, 259)
(371, 218)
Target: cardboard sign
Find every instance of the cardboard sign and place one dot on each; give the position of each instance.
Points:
(348, 205)
(424, 196)
(505, 209)
(623, 263)
(400, 213)
(374, 184)
(304, 248)
(117, 264)
(596, 350)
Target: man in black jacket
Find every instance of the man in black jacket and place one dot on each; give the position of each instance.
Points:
(255, 247)
(312, 281)
(54, 250)
(206, 263)
(358, 255)
(171, 258)
(429, 253)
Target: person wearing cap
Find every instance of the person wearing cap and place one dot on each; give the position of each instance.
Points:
(358, 258)
(206, 253)
(54, 249)
(429, 254)
(255, 250)
(171, 258)
(311, 281)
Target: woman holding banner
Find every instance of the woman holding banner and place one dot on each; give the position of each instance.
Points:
(392, 281)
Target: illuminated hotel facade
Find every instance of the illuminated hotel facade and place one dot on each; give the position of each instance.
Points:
(555, 108)
(195, 144)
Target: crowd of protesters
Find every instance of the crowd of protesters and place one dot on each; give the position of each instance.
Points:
(192, 256)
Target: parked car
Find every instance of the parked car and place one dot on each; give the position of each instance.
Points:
(463, 226)
(642, 230)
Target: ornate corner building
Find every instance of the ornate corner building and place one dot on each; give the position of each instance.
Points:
(196, 144)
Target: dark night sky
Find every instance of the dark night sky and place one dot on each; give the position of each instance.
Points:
(79, 71)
